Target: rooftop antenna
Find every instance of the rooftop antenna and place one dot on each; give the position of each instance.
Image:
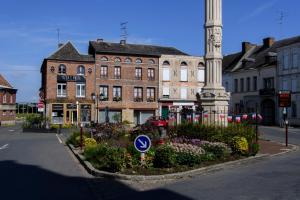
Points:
(124, 33)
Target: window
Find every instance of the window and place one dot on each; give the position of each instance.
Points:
(242, 84)
(117, 73)
(138, 94)
(104, 59)
(150, 94)
(248, 84)
(103, 72)
(4, 98)
(128, 60)
(183, 72)
(104, 92)
(166, 92)
(151, 61)
(80, 90)
(118, 60)
(62, 90)
(286, 58)
(4, 112)
(201, 76)
(183, 93)
(138, 73)
(255, 83)
(151, 75)
(294, 110)
(138, 61)
(62, 69)
(80, 70)
(268, 83)
(295, 59)
(117, 93)
(294, 85)
(11, 99)
(285, 85)
(166, 74)
(236, 87)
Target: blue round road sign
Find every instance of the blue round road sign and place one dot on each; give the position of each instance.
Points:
(142, 143)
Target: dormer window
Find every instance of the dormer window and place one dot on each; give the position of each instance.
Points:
(104, 59)
(138, 61)
(81, 70)
(62, 69)
(151, 62)
(128, 60)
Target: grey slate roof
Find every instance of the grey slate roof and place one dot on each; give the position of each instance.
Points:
(69, 52)
(258, 56)
(131, 49)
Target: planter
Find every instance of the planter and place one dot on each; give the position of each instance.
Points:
(39, 130)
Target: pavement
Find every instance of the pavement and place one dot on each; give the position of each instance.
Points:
(38, 166)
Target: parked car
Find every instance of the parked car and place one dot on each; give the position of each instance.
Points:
(157, 121)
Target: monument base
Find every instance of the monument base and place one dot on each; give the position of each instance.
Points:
(215, 102)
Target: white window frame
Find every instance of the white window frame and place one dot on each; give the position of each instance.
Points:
(166, 74)
(166, 91)
(82, 90)
(201, 75)
(183, 74)
(104, 90)
(117, 89)
(151, 93)
(60, 92)
(183, 93)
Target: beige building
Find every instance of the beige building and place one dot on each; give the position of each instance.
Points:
(180, 79)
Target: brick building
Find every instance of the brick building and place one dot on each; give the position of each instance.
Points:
(127, 76)
(67, 82)
(7, 102)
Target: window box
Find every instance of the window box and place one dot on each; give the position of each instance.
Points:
(138, 99)
(150, 99)
(138, 78)
(117, 99)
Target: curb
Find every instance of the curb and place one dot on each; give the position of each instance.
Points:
(293, 149)
(97, 173)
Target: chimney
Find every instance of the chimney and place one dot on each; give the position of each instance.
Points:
(246, 46)
(268, 42)
(122, 42)
(99, 40)
(60, 45)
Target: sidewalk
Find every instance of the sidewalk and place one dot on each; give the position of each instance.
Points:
(272, 148)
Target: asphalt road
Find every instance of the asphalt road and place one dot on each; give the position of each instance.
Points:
(38, 166)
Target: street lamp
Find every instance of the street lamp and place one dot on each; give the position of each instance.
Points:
(77, 106)
(96, 98)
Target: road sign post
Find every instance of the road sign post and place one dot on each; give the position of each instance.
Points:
(142, 144)
(285, 101)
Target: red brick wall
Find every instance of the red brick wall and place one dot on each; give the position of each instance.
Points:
(127, 81)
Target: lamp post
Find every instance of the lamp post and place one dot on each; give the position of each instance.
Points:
(96, 98)
(77, 106)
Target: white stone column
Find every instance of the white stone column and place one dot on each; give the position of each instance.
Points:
(214, 97)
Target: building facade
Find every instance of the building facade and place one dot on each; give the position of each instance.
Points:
(251, 76)
(180, 79)
(67, 85)
(289, 76)
(7, 102)
(127, 80)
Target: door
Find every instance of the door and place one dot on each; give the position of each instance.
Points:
(268, 112)
(74, 117)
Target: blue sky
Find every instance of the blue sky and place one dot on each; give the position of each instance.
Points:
(28, 28)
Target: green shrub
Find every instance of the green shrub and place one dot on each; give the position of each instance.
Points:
(184, 158)
(220, 150)
(34, 121)
(165, 157)
(104, 157)
(239, 145)
(208, 157)
(74, 139)
(254, 148)
(89, 142)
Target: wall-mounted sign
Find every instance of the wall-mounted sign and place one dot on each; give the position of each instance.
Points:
(71, 106)
(57, 107)
(285, 99)
(88, 107)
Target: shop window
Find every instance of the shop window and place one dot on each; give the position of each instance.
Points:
(57, 113)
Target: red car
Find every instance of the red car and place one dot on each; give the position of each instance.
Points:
(157, 121)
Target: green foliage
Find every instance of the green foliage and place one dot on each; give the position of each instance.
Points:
(239, 145)
(165, 157)
(185, 158)
(220, 150)
(34, 121)
(104, 157)
(74, 139)
(212, 133)
(89, 142)
(254, 148)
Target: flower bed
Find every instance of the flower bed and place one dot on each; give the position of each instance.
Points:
(114, 150)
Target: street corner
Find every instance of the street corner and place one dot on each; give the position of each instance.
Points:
(273, 148)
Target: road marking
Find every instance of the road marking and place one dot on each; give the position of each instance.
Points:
(4, 147)
(60, 141)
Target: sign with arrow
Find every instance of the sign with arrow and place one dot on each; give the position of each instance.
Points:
(142, 143)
